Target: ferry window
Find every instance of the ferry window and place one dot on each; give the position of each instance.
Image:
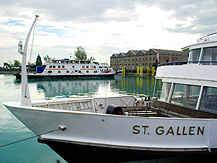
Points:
(63, 66)
(76, 70)
(83, 66)
(59, 72)
(94, 67)
(54, 66)
(186, 95)
(165, 92)
(209, 99)
(67, 71)
(50, 66)
(87, 71)
(194, 55)
(87, 66)
(95, 71)
(49, 72)
(209, 54)
(79, 71)
(58, 66)
(73, 66)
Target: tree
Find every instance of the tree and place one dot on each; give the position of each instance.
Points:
(17, 63)
(92, 59)
(38, 60)
(80, 54)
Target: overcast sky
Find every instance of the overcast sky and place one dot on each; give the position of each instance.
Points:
(103, 27)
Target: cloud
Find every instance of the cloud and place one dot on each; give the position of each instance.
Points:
(103, 27)
(200, 15)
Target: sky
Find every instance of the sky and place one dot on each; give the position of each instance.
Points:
(102, 27)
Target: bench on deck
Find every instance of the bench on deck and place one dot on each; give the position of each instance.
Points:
(181, 111)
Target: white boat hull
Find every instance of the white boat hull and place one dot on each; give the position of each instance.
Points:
(48, 76)
(125, 132)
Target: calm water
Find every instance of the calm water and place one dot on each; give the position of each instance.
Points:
(12, 130)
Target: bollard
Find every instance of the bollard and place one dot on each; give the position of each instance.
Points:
(152, 71)
(148, 70)
(137, 70)
(123, 71)
(141, 70)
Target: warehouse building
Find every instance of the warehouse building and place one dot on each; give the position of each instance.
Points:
(145, 58)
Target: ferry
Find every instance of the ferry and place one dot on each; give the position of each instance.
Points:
(65, 68)
(181, 120)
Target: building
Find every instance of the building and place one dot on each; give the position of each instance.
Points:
(145, 58)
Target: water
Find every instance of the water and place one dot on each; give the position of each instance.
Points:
(12, 130)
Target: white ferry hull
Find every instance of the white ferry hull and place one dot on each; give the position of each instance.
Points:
(152, 134)
(48, 76)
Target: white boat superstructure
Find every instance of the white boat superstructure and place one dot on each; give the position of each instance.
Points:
(182, 120)
(104, 67)
(66, 68)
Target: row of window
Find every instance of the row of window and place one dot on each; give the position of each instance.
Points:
(72, 62)
(137, 64)
(56, 66)
(76, 71)
(188, 96)
(53, 66)
(205, 55)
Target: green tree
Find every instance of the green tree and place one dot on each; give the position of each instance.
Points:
(38, 60)
(80, 54)
(17, 63)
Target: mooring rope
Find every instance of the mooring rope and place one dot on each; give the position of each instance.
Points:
(18, 141)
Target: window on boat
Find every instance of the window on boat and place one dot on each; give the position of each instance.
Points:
(67, 71)
(79, 71)
(83, 66)
(59, 71)
(73, 66)
(194, 56)
(63, 66)
(87, 71)
(186, 95)
(50, 66)
(54, 66)
(58, 66)
(209, 99)
(87, 66)
(49, 72)
(95, 71)
(165, 92)
(209, 54)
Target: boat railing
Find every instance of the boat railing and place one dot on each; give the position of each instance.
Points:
(143, 111)
(206, 38)
(189, 62)
(71, 105)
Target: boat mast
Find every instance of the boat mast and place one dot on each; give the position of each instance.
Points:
(25, 96)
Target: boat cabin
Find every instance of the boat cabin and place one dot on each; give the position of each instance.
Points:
(192, 85)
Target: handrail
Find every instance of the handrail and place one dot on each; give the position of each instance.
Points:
(185, 62)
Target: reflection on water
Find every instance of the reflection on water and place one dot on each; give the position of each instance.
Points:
(130, 85)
